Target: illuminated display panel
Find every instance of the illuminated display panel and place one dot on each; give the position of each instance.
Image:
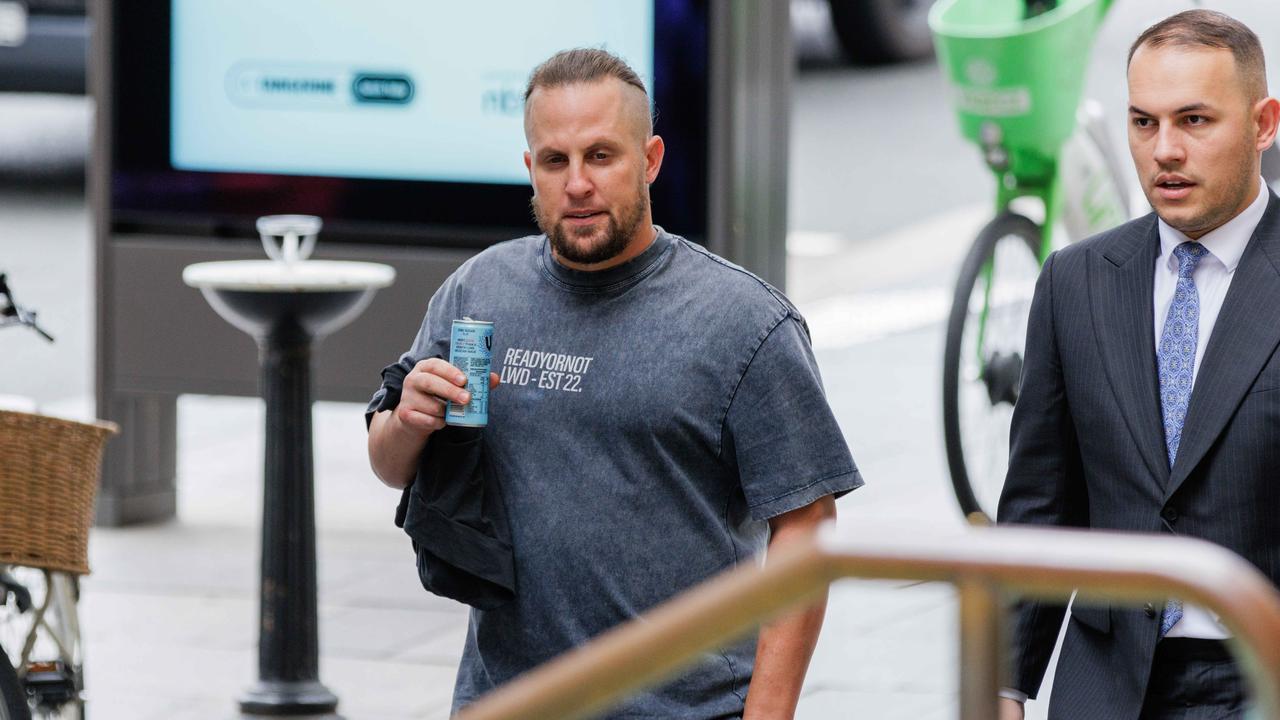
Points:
(388, 118)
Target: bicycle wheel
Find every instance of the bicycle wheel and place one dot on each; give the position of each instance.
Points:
(41, 641)
(13, 699)
(982, 361)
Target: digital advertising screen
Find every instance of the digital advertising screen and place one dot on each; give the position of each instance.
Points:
(381, 89)
(393, 120)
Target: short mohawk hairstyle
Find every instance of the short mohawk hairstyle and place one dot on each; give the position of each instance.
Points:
(582, 65)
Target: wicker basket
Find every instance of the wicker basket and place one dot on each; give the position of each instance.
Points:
(48, 481)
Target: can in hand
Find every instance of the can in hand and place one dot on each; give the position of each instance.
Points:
(471, 351)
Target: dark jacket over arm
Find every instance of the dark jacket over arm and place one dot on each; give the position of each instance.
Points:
(453, 511)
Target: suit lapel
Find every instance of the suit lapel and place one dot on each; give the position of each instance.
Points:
(1244, 337)
(1120, 278)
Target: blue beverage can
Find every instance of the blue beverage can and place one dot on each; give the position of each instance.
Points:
(471, 351)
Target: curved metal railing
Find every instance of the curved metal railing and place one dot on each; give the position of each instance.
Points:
(986, 564)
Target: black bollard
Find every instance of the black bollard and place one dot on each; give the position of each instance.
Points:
(286, 314)
(288, 640)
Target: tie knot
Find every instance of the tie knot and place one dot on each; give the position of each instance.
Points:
(1188, 254)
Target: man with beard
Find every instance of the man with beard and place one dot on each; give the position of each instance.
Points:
(659, 416)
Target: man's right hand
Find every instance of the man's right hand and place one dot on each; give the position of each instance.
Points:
(427, 390)
(397, 437)
(1011, 709)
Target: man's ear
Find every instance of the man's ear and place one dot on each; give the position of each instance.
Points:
(654, 150)
(1267, 114)
(528, 164)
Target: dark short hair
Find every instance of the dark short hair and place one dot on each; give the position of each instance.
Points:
(1210, 28)
(581, 65)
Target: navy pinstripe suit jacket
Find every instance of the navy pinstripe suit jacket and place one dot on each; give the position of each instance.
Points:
(1088, 450)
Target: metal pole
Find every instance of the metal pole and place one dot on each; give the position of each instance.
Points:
(751, 69)
(288, 640)
(980, 649)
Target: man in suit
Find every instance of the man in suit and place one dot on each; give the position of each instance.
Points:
(1151, 386)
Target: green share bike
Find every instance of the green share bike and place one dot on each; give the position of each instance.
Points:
(1016, 70)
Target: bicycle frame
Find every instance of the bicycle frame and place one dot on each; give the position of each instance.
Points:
(1016, 115)
(11, 313)
(1096, 200)
(46, 656)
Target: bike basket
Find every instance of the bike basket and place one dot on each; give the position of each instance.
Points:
(48, 481)
(1024, 75)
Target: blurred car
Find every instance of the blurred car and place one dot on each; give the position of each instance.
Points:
(44, 43)
(865, 32)
(43, 46)
(882, 31)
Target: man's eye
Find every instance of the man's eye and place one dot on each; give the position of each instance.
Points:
(1196, 119)
(1142, 122)
(599, 156)
(555, 160)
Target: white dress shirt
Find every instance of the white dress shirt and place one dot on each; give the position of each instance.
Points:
(1212, 276)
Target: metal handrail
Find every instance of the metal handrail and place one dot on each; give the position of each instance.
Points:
(986, 564)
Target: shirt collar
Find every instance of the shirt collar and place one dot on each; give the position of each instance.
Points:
(613, 278)
(1225, 242)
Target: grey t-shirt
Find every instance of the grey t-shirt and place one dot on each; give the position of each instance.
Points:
(651, 418)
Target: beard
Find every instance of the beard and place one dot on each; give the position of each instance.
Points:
(1233, 197)
(593, 245)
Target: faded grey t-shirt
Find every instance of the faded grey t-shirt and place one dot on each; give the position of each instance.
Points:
(651, 418)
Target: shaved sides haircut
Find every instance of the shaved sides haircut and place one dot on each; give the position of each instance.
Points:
(1212, 29)
(585, 65)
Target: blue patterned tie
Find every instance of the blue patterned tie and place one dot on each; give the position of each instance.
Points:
(1177, 358)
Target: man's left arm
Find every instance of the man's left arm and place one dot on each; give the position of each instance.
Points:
(782, 440)
(786, 644)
